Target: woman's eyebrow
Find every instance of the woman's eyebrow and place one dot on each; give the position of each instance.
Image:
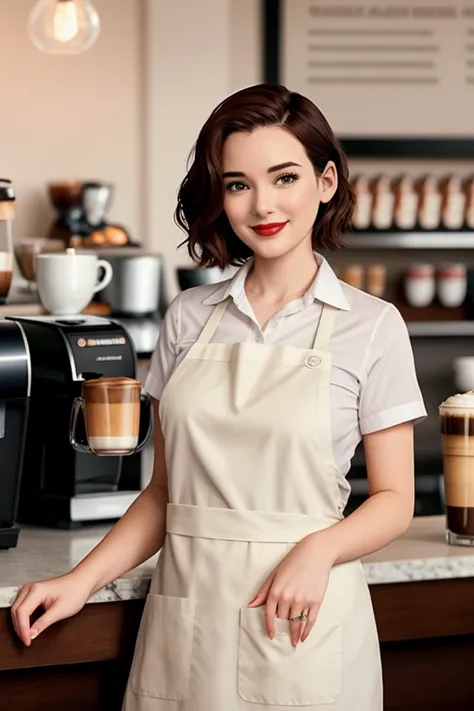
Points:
(273, 169)
(282, 166)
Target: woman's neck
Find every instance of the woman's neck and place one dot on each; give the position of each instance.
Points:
(277, 280)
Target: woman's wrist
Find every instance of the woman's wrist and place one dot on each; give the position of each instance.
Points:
(324, 544)
(85, 578)
(382, 518)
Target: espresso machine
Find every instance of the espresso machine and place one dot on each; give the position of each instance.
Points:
(60, 486)
(15, 387)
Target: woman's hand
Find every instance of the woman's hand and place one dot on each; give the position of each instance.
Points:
(60, 598)
(296, 587)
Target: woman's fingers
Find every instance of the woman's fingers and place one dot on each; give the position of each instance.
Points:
(270, 612)
(32, 600)
(23, 592)
(261, 597)
(309, 624)
(296, 626)
(299, 629)
(283, 610)
(53, 614)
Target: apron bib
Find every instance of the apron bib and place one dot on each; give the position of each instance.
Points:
(250, 473)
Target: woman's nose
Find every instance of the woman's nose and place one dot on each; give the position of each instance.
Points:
(262, 205)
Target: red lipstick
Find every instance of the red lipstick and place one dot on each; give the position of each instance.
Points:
(269, 229)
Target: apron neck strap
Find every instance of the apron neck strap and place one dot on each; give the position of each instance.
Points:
(325, 326)
(212, 322)
(321, 340)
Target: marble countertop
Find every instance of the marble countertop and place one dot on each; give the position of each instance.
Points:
(420, 554)
(44, 553)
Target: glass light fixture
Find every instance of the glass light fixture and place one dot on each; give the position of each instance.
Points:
(63, 26)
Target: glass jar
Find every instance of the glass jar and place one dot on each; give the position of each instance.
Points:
(7, 215)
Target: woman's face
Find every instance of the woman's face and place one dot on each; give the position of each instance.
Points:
(272, 194)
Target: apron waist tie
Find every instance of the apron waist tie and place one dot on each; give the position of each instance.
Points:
(242, 525)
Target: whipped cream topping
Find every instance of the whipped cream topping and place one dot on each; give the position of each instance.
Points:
(456, 403)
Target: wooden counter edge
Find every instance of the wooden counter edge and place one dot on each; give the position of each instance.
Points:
(107, 631)
(99, 632)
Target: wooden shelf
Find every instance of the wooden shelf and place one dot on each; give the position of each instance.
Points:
(34, 308)
(425, 329)
(410, 240)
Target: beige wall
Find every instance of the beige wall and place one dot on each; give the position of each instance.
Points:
(75, 116)
(245, 43)
(187, 74)
(198, 52)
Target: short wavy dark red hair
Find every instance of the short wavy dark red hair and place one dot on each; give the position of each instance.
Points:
(211, 241)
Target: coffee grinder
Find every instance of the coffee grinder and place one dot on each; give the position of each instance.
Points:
(62, 487)
(81, 214)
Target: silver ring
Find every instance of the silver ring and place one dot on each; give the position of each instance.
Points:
(299, 618)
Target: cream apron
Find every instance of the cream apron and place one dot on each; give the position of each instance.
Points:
(251, 472)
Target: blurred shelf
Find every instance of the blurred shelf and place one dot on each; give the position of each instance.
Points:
(440, 328)
(410, 240)
(27, 305)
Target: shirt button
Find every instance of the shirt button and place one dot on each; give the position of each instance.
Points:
(259, 338)
(312, 361)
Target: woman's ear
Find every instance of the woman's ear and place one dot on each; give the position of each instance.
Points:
(328, 181)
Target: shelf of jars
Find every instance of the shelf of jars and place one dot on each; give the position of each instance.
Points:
(408, 212)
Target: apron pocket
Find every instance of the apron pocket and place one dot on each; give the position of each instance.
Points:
(161, 664)
(273, 672)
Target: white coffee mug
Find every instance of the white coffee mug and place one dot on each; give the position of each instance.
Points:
(67, 281)
(464, 373)
(420, 285)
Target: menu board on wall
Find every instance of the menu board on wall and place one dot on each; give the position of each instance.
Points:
(382, 69)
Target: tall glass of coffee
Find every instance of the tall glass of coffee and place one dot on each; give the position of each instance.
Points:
(111, 409)
(457, 441)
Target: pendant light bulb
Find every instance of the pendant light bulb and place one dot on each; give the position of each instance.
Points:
(65, 22)
(63, 26)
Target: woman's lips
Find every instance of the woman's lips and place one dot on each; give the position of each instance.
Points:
(270, 229)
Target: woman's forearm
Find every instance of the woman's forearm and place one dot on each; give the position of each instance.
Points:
(379, 520)
(137, 536)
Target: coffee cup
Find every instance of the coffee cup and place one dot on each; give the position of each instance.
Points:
(67, 281)
(452, 284)
(112, 412)
(457, 441)
(463, 367)
(420, 285)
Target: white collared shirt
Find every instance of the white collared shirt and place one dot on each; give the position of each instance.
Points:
(373, 378)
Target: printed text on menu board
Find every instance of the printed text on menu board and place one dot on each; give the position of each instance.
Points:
(441, 12)
(382, 69)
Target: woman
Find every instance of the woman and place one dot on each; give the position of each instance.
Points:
(263, 385)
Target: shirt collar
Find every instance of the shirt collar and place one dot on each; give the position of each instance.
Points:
(326, 287)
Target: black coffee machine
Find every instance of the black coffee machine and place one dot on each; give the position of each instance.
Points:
(15, 385)
(61, 487)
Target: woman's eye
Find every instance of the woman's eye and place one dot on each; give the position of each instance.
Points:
(287, 178)
(235, 187)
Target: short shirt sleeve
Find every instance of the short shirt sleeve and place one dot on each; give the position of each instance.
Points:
(163, 359)
(390, 393)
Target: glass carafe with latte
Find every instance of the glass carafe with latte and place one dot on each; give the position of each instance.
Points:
(7, 215)
(457, 443)
(116, 417)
